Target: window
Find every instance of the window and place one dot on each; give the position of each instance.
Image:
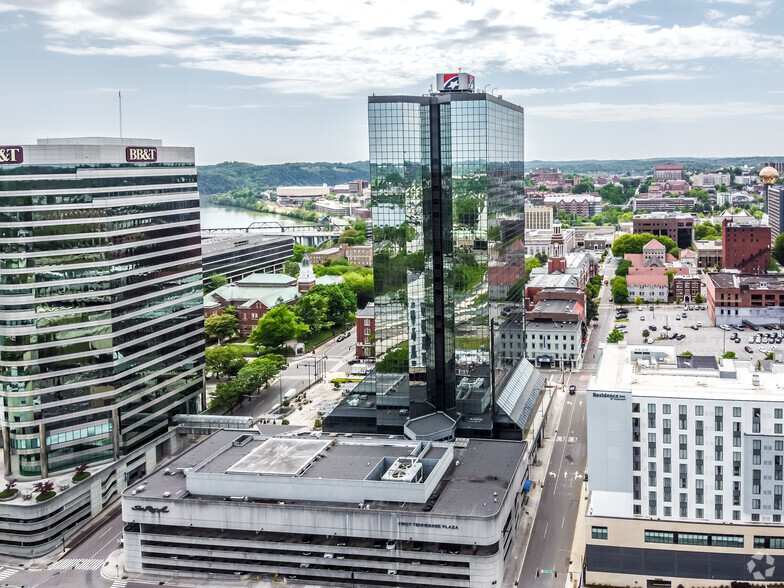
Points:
(665, 409)
(692, 538)
(651, 409)
(736, 411)
(777, 428)
(735, 515)
(698, 410)
(659, 537)
(777, 413)
(599, 532)
(768, 542)
(755, 503)
(719, 411)
(779, 446)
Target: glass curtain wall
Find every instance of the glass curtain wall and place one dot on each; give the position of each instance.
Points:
(100, 311)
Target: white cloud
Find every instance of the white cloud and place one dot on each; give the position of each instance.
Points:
(307, 46)
(662, 112)
(618, 82)
(228, 107)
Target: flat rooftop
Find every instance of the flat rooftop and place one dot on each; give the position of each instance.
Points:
(657, 371)
(485, 467)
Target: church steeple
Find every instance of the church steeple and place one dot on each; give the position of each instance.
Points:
(556, 261)
(307, 279)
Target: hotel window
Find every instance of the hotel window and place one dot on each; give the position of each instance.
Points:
(777, 413)
(735, 515)
(698, 410)
(667, 454)
(736, 411)
(659, 537)
(599, 532)
(651, 444)
(777, 428)
(779, 445)
(665, 409)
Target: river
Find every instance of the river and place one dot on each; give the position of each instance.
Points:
(226, 217)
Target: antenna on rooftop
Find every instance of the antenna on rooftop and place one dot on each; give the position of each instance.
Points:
(119, 97)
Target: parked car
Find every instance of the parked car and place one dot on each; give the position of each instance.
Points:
(677, 317)
(572, 389)
(650, 340)
(673, 336)
(651, 327)
(694, 327)
(642, 318)
(681, 337)
(667, 327)
(748, 349)
(650, 308)
(683, 314)
(724, 327)
(763, 350)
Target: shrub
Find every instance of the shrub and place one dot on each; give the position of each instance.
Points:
(284, 422)
(317, 424)
(45, 496)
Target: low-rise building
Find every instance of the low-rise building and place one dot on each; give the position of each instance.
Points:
(668, 172)
(335, 207)
(686, 286)
(661, 203)
(298, 195)
(709, 253)
(374, 511)
(538, 241)
(650, 287)
(745, 246)
(366, 331)
(585, 205)
(361, 255)
(538, 218)
(555, 330)
(734, 298)
(322, 255)
(236, 256)
(677, 226)
(685, 470)
(254, 295)
(710, 180)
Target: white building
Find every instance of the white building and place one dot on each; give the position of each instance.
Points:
(538, 241)
(374, 511)
(709, 180)
(686, 468)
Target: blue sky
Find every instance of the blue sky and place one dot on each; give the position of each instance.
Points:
(274, 81)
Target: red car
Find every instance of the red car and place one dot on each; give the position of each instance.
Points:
(748, 349)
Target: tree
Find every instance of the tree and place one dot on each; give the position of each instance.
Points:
(277, 326)
(687, 353)
(226, 394)
(260, 372)
(620, 291)
(542, 257)
(778, 249)
(215, 282)
(341, 302)
(312, 310)
(615, 336)
(591, 309)
(638, 301)
(770, 356)
(698, 298)
(352, 237)
(730, 355)
(361, 285)
(635, 243)
(582, 188)
(291, 268)
(623, 268)
(227, 361)
(646, 333)
(221, 326)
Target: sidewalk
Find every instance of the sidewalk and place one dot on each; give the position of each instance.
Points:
(537, 474)
(578, 543)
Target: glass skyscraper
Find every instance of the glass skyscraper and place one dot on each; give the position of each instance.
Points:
(101, 321)
(446, 174)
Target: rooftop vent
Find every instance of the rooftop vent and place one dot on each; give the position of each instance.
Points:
(404, 469)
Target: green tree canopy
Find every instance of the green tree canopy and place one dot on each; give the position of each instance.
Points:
(291, 268)
(620, 291)
(260, 372)
(778, 249)
(342, 302)
(729, 355)
(215, 282)
(591, 309)
(312, 310)
(226, 361)
(615, 336)
(277, 326)
(226, 394)
(361, 285)
(635, 243)
(352, 237)
(582, 188)
(221, 326)
(623, 268)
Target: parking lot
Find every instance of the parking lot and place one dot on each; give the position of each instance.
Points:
(705, 339)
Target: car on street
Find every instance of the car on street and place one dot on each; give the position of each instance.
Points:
(650, 308)
(683, 314)
(642, 318)
(611, 299)
(667, 327)
(748, 349)
(694, 327)
(673, 336)
(650, 341)
(677, 317)
(651, 327)
(681, 337)
(763, 350)
(340, 338)
(572, 389)
(724, 327)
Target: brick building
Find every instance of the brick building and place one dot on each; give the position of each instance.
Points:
(668, 172)
(678, 227)
(686, 287)
(361, 255)
(584, 205)
(745, 246)
(734, 298)
(366, 331)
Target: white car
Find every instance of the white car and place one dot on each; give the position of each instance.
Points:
(751, 340)
(763, 350)
(722, 327)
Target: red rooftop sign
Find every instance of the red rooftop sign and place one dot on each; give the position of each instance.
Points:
(11, 155)
(141, 154)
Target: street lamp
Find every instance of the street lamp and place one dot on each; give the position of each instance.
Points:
(280, 386)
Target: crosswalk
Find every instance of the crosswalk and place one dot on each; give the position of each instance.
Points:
(119, 584)
(78, 564)
(6, 573)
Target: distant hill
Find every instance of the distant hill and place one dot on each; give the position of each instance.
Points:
(234, 175)
(638, 167)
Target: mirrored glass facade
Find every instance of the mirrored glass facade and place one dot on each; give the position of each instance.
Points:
(446, 174)
(101, 324)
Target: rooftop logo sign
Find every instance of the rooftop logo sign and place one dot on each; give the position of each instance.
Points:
(11, 155)
(455, 82)
(141, 154)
